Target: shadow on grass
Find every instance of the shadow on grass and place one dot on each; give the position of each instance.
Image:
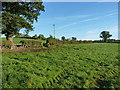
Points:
(104, 83)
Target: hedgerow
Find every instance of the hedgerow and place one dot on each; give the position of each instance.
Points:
(6, 44)
(31, 43)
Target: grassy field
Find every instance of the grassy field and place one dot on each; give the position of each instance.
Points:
(65, 66)
(17, 40)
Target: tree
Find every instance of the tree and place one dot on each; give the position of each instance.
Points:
(26, 33)
(74, 38)
(18, 35)
(41, 36)
(105, 35)
(26, 36)
(63, 38)
(35, 36)
(18, 15)
(50, 36)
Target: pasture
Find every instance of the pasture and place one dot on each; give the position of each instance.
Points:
(65, 66)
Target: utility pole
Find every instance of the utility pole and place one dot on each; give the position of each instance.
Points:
(54, 29)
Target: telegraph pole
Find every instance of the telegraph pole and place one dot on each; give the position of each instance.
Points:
(54, 30)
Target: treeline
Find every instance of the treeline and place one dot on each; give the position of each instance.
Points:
(107, 41)
(51, 41)
(40, 36)
(68, 40)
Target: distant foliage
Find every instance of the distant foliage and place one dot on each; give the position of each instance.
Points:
(19, 35)
(87, 41)
(35, 36)
(63, 38)
(26, 36)
(31, 43)
(105, 35)
(6, 44)
(52, 41)
(50, 36)
(41, 36)
(74, 38)
(108, 41)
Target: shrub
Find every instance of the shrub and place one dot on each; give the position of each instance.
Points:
(98, 41)
(52, 41)
(6, 44)
(74, 38)
(63, 38)
(41, 36)
(31, 43)
(86, 41)
(46, 44)
(35, 36)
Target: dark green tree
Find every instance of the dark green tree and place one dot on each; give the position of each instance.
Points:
(26, 33)
(35, 36)
(63, 38)
(18, 15)
(105, 35)
(50, 36)
(26, 36)
(74, 38)
(41, 36)
(18, 35)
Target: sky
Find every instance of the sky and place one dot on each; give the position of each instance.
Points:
(83, 20)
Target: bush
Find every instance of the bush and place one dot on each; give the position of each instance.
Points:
(41, 36)
(98, 41)
(35, 36)
(85, 41)
(31, 43)
(46, 44)
(52, 41)
(6, 44)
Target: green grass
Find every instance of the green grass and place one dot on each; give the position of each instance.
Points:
(64, 66)
(17, 40)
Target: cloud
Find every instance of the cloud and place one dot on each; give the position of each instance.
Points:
(112, 11)
(93, 31)
(114, 32)
(63, 18)
(86, 20)
(70, 17)
(90, 37)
